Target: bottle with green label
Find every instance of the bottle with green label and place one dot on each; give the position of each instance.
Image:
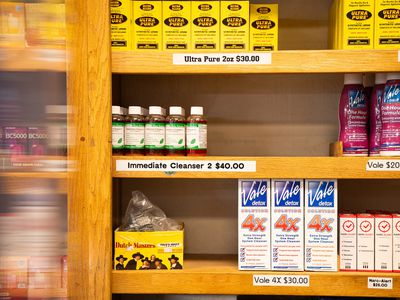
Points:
(134, 130)
(175, 132)
(118, 130)
(154, 141)
(196, 132)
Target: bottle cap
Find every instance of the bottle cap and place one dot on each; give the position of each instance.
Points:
(176, 110)
(369, 79)
(196, 110)
(380, 78)
(353, 79)
(117, 110)
(393, 76)
(156, 110)
(136, 110)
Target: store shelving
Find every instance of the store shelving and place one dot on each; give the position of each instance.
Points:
(36, 293)
(294, 61)
(268, 167)
(216, 274)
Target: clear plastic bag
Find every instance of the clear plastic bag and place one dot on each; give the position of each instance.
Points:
(142, 215)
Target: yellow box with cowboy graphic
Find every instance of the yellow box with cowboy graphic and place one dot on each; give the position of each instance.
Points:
(155, 250)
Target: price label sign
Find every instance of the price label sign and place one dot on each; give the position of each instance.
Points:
(383, 165)
(380, 283)
(222, 59)
(281, 280)
(186, 165)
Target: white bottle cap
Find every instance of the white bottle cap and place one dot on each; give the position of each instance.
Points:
(380, 78)
(393, 76)
(136, 110)
(353, 79)
(116, 110)
(369, 79)
(156, 110)
(196, 110)
(176, 110)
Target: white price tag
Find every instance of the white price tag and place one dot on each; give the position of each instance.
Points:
(380, 283)
(222, 59)
(281, 280)
(186, 165)
(383, 165)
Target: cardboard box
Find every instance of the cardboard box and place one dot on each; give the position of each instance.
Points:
(176, 25)
(148, 250)
(365, 242)
(321, 225)
(121, 24)
(254, 208)
(383, 242)
(263, 27)
(205, 25)
(396, 242)
(147, 25)
(12, 24)
(287, 223)
(348, 242)
(387, 24)
(357, 24)
(234, 25)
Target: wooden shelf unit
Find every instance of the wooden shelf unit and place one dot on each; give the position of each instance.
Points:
(268, 167)
(293, 61)
(219, 275)
(36, 293)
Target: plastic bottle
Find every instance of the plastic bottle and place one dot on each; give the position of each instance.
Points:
(118, 124)
(134, 130)
(155, 131)
(196, 132)
(175, 133)
(353, 117)
(390, 115)
(375, 124)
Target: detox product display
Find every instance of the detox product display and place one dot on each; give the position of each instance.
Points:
(175, 132)
(196, 132)
(155, 131)
(134, 130)
(118, 130)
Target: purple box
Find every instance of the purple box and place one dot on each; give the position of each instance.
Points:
(37, 140)
(16, 140)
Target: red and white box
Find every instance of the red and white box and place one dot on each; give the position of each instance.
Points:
(348, 242)
(396, 242)
(383, 242)
(365, 242)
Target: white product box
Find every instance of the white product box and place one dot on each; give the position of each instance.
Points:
(396, 242)
(348, 242)
(321, 225)
(287, 225)
(365, 242)
(383, 242)
(254, 224)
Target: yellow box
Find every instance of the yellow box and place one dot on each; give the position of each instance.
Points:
(205, 25)
(387, 24)
(138, 250)
(147, 25)
(12, 24)
(176, 25)
(121, 24)
(45, 25)
(358, 24)
(234, 25)
(263, 27)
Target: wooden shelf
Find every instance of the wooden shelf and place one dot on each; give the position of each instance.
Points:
(294, 61)
(269, 167)
(32, 59)
(219, 275)
(35, 293)
(34, 175)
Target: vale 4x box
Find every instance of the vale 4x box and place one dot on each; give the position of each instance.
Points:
(365, 242)
(383, 242)
(287, 225)
(321, 225)
(176, 25)
(254, 218)
(348, 242)
(263, 27)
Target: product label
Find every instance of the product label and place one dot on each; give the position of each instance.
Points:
(281, 280)
(175, 136)
(134, 135)
(387, 24)
(176, 25)
(263, 27)
(383, 165)
(254, 221)
(155, 135)
(196, 136)
(16, 140)
(234, 25)
(348, 243)
(120, 19)
(223, 59)
(385, 283)
(147, 25)
(118, 135)
(390, 112)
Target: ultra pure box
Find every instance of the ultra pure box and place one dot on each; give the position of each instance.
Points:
(396, 242)
(348, 242)
(176, 25)
(254, 224)
(287, 225)
(321, 225)
(383, 242)
(121, 18)
(387, 24)
(263, 27)
(365, 242)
